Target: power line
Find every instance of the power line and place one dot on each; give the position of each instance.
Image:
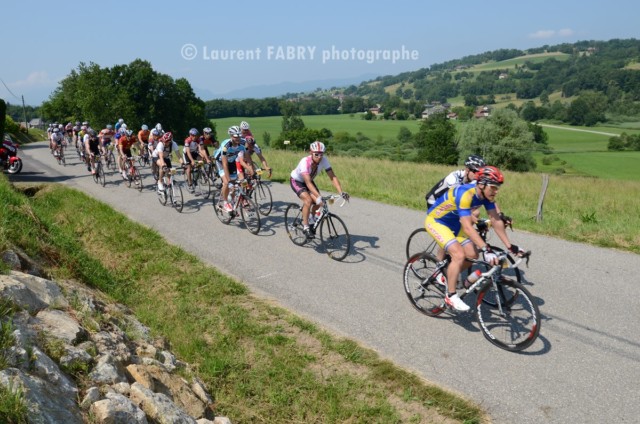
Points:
(5, 86)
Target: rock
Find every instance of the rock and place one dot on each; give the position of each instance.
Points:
(167, 359)
(61, 326)
(158, 406)
(30, 292)
(113, 343)
(45, 368)
(93, 395)
(75, 358)
(199, 390)
(12, 259)
(108, 371)
(116, 409)
(122, 388)
(146, 350)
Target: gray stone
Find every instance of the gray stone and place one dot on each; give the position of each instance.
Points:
(117, 409)
(61, 326)
(108, 371)
(199, 390)
(112, 343)
(93, 395)
(45, 368)
(122, 388)
(75, 358)
(12, 259)
(158, 406)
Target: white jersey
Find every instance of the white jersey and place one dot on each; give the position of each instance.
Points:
(455, 178)
(306, 166)
(163, 150)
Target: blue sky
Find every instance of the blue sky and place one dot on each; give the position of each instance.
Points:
(280, 41)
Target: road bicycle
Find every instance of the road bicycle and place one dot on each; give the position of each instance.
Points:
(132, 173)
(421, 241)
(506, 312)
(172, 191)
(260, 193)
(200, 181)
(334, 235)
(98, 175)
(79, 148)
(211, 169)
(241, 204)
(59, 154)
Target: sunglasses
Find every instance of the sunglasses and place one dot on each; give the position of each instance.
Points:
(318, 155)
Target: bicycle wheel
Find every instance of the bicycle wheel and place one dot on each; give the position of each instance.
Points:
(250, 215)
(175, 194)
(162, 194)
(420, 241)
(513, 273)
(111, 161)
(424, 293)
(293, 224)
(335, 237)
(100, 173)
(202, 184)
(513, 326)
(262, 197)
(224, 216)
(137, 179)
(95, 175)
(63, 160)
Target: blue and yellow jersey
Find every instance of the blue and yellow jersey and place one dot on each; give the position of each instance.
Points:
(457, 202)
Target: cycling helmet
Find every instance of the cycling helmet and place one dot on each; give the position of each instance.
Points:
(144, 127)
(85, 123)
(121, 120)
(55, 130)
(61, 126)
(155, 132)
(193, 131)
(92, 132)
(474, 162)
(83, 128)
(490, 175)
(234, 130)
(159, 126)
(109, 126)
(167, 137)
(77, 122)
(317, 147)
(207, 130)
(244, 125)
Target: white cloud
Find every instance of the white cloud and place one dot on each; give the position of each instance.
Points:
(34, 79)
(550, 33)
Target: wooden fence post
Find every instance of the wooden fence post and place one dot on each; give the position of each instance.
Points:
(545, 184)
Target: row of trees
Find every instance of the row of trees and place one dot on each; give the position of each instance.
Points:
(134, 92)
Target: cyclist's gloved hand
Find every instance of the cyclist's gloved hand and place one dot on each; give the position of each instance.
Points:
(488, 256)
(319, 200)
(516, 250)
(345, 195)
(506, 219)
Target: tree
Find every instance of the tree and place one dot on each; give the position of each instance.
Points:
(503, 140)
(3, 117)
(404, 135)
(436, 141)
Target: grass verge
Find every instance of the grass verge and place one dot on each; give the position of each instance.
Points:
(260, 362)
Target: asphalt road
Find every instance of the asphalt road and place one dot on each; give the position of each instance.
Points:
(585, 366)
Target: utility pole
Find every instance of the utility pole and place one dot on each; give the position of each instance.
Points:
(24, 113)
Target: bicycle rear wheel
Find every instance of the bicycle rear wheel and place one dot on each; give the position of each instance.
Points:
(512, 325)
(420, 241)
(424, 293)
(262, 197)
(250, 215)
(111, 161)
(137, 179)
(224, 216)
(293, 224)
(202, 184)
(335, 237)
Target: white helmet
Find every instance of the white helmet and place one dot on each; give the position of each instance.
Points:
(234, 130)
(244, 125)
(317, 147)
(144, 127)
(121, 120)
(159, 126)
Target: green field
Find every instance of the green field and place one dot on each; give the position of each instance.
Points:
(583, 152)
(511, 63)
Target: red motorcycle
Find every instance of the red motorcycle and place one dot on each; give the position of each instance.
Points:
(9, 159)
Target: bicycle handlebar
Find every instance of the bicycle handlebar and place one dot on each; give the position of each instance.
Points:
(333, 197)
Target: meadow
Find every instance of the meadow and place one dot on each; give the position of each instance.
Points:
(572, 146)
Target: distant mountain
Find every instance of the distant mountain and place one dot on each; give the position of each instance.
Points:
(277, 90)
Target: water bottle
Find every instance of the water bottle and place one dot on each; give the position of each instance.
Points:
(472, 278)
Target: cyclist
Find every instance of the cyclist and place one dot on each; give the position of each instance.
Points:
(245, 131)
(230, 161)
(207, 139)
(449, 222)
(192, 151)
(92, 149)
(305, 188)
(125, 142)
(56, 141)
(106, 135)
(458, 177)
(251, 147)
(161, 155)
(119, 124)
(143, 139)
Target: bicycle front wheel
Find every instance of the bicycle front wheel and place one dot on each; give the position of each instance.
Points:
(203, 184)
(424, 293)
(224, 216)
(250, 215)
(262, 197)
(111, 161)
(137, 179)
(335, 237)
(512, 325)
(175, 194)
(513, 273)
(420, 241)
(293, 224)
(100, 174)
(95, 174)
